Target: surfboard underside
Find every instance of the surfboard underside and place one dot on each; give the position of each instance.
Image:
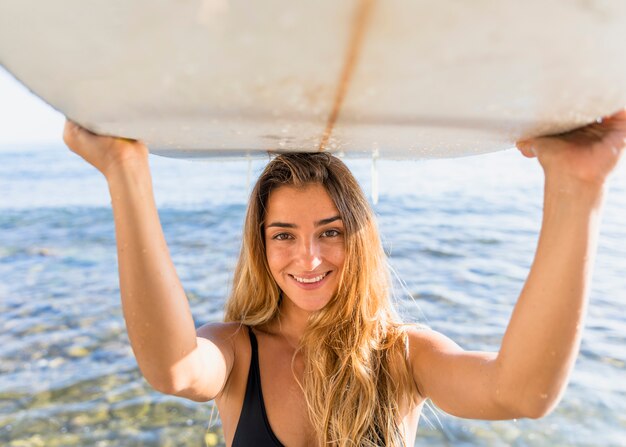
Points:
(392, 78)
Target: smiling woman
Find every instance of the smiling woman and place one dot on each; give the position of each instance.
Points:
(326, 306)
(307, 253)
(312, 352)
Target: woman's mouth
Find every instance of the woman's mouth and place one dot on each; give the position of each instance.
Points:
(310, 282)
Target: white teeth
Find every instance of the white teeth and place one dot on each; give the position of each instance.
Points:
(311, 280)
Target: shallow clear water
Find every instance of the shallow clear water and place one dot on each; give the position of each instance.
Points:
(460, 234)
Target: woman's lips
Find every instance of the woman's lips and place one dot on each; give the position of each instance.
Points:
(310, 285)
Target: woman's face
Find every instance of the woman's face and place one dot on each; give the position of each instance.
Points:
(305, 245)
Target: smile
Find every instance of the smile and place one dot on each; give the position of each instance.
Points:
(310, 280)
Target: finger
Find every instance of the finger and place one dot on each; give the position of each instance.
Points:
(526, 147)
(617, 121)
(77, 138)
(619, 115)
(70, 131)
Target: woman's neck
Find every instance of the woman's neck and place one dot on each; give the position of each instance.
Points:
(291, 322)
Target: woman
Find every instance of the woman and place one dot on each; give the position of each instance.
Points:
(309, 320)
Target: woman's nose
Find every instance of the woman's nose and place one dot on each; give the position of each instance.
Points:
(309, 255)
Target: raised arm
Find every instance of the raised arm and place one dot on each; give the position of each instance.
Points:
(530, 372)
(172, 358)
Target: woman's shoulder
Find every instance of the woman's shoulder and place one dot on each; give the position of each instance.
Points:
(229, 329)
(427, 348)
(422, 340)
(233, 334)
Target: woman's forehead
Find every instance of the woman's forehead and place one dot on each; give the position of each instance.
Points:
(291, 204)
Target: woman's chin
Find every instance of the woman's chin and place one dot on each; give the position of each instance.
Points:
(309, 303)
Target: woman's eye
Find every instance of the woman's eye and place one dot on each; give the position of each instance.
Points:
(281, 236)
(331, 233)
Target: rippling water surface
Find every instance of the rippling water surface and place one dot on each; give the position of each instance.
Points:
(460, 234)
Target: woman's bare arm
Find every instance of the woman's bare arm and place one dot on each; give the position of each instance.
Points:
(171, 356)
(530, 372)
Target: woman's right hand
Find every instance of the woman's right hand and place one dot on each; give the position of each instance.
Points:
(104, 153)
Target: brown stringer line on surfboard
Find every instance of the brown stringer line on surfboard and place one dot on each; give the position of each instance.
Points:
(363, 11)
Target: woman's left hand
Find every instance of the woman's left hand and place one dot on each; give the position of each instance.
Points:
(588, 154)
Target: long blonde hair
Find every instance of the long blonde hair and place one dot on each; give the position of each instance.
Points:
(356, 374)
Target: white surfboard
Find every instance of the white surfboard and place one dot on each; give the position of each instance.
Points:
(395, 78)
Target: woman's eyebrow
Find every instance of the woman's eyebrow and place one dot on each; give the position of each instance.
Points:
(328, 220)
(282, 225)
(319, 223)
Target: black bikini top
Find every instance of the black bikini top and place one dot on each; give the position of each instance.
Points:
(253, 428)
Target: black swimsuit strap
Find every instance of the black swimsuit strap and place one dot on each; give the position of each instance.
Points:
(253, 428)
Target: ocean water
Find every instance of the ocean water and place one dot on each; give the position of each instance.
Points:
(460, 235)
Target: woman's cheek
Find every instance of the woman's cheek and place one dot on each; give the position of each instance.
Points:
(276, 256)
